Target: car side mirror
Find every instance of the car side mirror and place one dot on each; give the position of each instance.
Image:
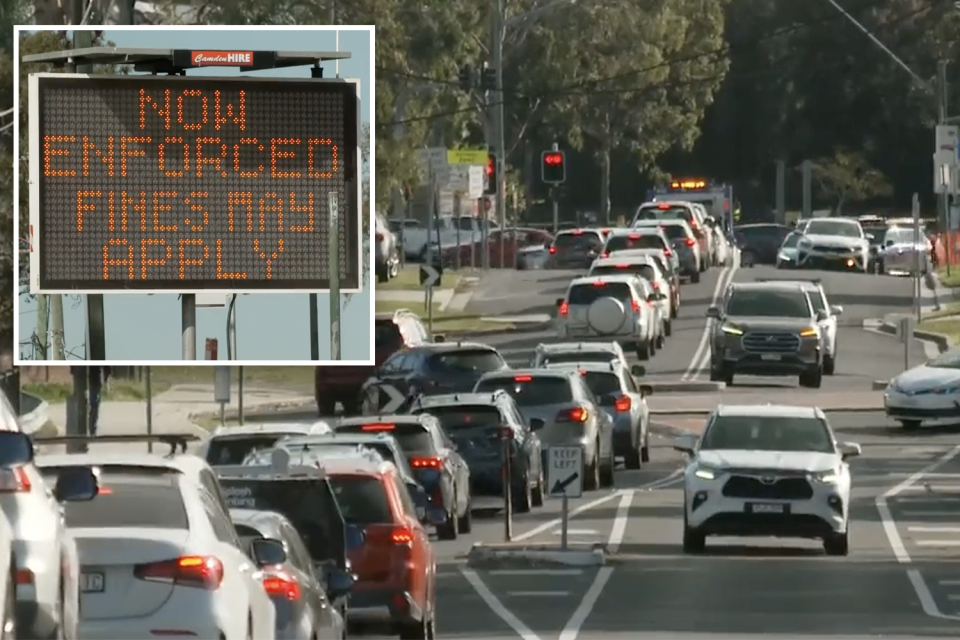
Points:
(16, 448)
(536, 424)
(837, 310)
(638, 370)
(822, 315)
(339, 583)
(559, 302)
(267, 552)
(849, 450)
(888, 243)
(646, 390)
(685, 444)
(713, 312)
(420, 500)
(76, 484)
(870, 236)
(353, 537)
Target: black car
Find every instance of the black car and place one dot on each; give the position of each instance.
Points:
(288, 576)
(428, 369)
(433, 459)
(575, 249)
(760, 243)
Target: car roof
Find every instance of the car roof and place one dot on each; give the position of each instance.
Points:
(453, 346)
(814, 285)
(566, 347)
(396, 418)
(614, 366)
(187, 464)
(341, 439)
(450, 399)
(579, 231)
(319, 426)
(529, 371)
(606, 277)
(837, 219)
(359, 465)
(654, 222)
(257, 517)
(618, 259)
(768, 410)
(654, 203)
(782, 285)
(626, 231)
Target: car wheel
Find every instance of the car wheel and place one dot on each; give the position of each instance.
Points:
(645, 449)
(465, 522)
(693, 540)
(675, 309)
(668, 326)
(661, 337)
(813, 378)
(383, 275)
(591, 481)
(695, 277)
(522, 498)
(633, 457)
(449, 529)
(9, 620)
(643, 351)
(829, 365)
(910, 425)
(837, 544)
(607, 469)
(538, 492)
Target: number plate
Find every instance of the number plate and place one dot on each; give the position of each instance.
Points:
(91, 583)
(766, 507)
(772, 357)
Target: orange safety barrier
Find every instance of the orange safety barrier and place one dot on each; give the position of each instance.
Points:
(947, 248)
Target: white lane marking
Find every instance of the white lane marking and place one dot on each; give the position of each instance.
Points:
(496, 606)
(934, 529)
(926, 475)
(929, 514)
(537, 594)
(937, 543)
(949, 583)
(536, 572)
(573, 626)
(927, 601)
(552, 524)
(701, 356)
(619, 528)
(577, 532)
(953, 596)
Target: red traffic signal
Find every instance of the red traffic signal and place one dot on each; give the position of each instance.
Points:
(553, 167)
(491, 187)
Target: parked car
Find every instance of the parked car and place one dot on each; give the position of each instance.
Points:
(515, 240)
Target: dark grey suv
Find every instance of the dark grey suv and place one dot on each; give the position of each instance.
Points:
(766, 329)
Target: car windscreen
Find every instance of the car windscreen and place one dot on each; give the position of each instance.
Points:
(386, 334)
(583, 241)
(634, 241)
(412, 438)
(674, 232)
(460, 361)
(877, 232)
(530, 391)
(602, 383)
(790, 241)
(768, 303)
(900, 235)
(585, 294)
(767, 433)
(947, 360)
(766, 233)
(362, 499)
(455, 417)
(833, 228)
(645, 271)
(134, 497)
(228, 449)
(308, 503)
(578, 356)
(655, 212)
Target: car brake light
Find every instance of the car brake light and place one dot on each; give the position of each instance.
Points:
(553, 249)
(634, 236)
(282, 585)
(426, 463)
(378, 427)
(655, 285)
(522, 378)
(401, 535)
(599, 283)
(635, 304)
(689, 242)
(564, 308)
(622, 404)
(605, 254)
(623, 266)
(202, 572)
(667, 252)
(577, 414)
(14, 480)
(577, 232)
(663, 206)
(605, 232)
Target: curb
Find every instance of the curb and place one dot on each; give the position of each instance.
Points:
(483, 556)
(880, 385)
(269, 408)
(942, 341)
(684, 387)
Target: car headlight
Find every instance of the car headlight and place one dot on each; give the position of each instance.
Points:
(706, 473)
(731, 330)
(827, 477)
(809, 332)
(894, 385)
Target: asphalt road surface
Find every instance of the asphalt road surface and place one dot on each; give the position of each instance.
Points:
(899, 581)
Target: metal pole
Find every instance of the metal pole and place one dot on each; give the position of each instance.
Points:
(429, 294)
(807, 170)
(507, 492)
(564, 521)
(232, 329)
(334, 231)
(188, 322)
(43, 330)
(916, 255)
(77, 422)
(57, 339)
(498, 124)
(240, 417)
(149, 388)
(314, 328)
(553, 197)
(943, 201)
(781, 195)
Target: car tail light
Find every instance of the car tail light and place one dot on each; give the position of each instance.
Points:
(635, 304)
(664, 206)
(282, 585)
(667, 252)
(605, 254)
(655, 285)
(378, 427)
(553, 249)
(689, 242)
(604, 232)
(522, 378)
(577, 414)
(564, 308)
(202, 572)
(426, 463)
(379, 237)
(599, 283)
(622, 404)
(14, 480)
(401, 535)
(634, 236)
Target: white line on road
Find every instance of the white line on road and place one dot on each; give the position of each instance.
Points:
(701, 357)
(937, 543)
(619, 528)
(492, 601)
(934, 529)
(577, 532)
(536, 572)
(572, 628)
(538, 594)
(927, 601)
(915, 513)
(949, 583)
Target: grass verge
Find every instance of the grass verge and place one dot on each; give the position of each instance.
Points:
(122, 390)
(946, 325)
(953, 280)
(409, 280)
(456, 322)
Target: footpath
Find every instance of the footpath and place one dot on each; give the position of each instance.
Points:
(180, 409)
(935, 305)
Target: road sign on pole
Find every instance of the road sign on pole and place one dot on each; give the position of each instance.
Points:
(430, 276)
(565, 471)
(477, 157)
(395, 398)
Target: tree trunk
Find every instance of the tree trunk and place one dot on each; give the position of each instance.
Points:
(604, 212)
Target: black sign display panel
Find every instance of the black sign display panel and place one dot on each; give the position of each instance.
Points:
(190, 183)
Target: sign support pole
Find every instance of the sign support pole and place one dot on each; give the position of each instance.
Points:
(149, 389)
(916, 255)
(507, 493)
(564, 521)
(334, 276)
(188, 323)
(314, 328)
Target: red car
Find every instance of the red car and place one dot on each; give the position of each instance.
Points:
(513, 238)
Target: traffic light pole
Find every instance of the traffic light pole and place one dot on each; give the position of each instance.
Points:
(497, 118)
(556, 200)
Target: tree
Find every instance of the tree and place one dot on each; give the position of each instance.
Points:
(847, 176)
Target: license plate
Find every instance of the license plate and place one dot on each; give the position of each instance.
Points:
(91, 583)
(763, 507)
(772, 357)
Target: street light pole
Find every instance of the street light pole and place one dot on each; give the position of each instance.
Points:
(499, 144)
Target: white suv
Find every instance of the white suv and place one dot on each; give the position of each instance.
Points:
(612, 307)
(645, 268)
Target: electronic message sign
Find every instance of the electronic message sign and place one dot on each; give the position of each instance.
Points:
(189, 184)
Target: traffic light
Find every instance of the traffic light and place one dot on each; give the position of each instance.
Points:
(467, 80)
(491, 187)
(553, 167)
(488, 79)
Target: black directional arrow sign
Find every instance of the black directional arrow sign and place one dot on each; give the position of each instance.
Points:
(560, 486)
(430, 275)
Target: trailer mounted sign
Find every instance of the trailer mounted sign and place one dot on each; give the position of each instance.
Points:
(191, 184)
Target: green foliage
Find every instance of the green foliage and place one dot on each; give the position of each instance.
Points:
(848, 176)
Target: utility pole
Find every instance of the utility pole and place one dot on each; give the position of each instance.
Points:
(943, 199)
(43, 315)
(497, 118)
(806, 168)
(781, 195)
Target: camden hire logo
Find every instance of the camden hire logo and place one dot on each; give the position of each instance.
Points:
(222, 58)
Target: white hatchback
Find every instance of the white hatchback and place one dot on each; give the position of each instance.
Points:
(612, 307)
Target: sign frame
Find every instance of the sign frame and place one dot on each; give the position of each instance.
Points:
(467, 157)
(571, 488)
(351, 210)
